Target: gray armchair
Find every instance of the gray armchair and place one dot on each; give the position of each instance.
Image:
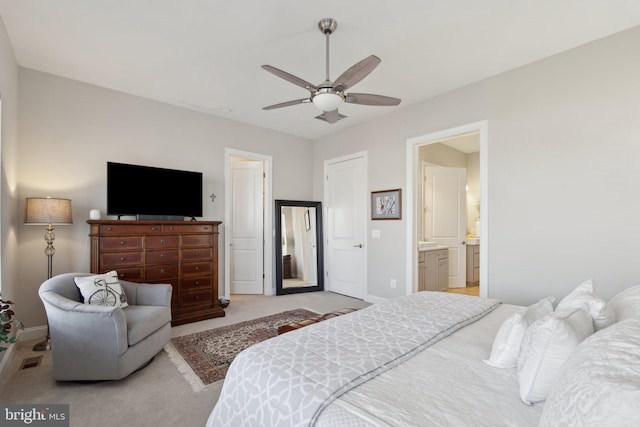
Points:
(92, 342)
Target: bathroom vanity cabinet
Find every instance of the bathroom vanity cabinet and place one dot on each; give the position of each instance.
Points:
(473, 265)
(433, 270)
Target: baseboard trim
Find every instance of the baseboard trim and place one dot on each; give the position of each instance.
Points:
(33, 333)
(7, 356)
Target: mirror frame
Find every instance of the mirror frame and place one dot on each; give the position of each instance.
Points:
(279, 204)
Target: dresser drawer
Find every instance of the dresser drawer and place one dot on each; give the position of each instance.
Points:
(197, 254)
(196, 268)
(119, 229)
(195, 297)
(187, 228)
(133, 274)
(123, 243)
(161, 271)
(157, 257)
(189, 284)
(197, 240)
(161, 242)
(117, 259)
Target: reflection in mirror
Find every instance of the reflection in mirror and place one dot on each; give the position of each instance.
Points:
(299, 247)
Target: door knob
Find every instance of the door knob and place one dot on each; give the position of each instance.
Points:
(463, 242)
(358, 246)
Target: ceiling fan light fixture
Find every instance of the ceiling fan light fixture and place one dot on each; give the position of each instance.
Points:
(327, 101)
(328, 95)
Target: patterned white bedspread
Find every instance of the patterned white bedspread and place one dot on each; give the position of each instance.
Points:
(290, 379)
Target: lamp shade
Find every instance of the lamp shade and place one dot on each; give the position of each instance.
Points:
(48, 210)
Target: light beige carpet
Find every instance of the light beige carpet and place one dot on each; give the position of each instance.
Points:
(157, 395)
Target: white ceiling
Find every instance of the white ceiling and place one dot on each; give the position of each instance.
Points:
(206, 54)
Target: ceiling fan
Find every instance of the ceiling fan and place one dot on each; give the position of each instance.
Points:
(328, 95)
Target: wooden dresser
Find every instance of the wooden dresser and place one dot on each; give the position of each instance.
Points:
(183, 254)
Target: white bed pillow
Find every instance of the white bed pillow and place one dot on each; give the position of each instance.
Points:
(506, 345)
(102, 289)
(546, 345)
(626, 304)
(600, 383)
(583, 297)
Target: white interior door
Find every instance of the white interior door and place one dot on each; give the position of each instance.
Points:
(346, 206)
(446, 216)
(246, 237)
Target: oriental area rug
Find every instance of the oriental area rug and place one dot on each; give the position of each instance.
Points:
(204, 357)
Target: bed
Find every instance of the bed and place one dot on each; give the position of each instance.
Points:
(444, 359)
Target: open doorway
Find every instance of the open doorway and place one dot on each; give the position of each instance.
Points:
(448, 206)
(416, 228)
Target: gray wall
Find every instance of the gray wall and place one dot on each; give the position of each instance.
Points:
(68, 131)
(563, 156)
(8, 176)
(564, 150)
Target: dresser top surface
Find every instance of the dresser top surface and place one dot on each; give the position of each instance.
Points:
(148, 222)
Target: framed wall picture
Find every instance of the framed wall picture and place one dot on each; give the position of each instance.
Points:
(386, 204)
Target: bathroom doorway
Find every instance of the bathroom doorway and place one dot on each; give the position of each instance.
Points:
(463, 146)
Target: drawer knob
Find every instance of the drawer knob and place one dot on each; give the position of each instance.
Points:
(171, 228)
(122, 258)
(196, 283)
(161, 271)
(162, 242)
(161, 255)
(153, 229)
(197, 268)
(108, 228)
(122, 242)
(197, 254)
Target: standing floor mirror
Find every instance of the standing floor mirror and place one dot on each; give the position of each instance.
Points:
(299, 251)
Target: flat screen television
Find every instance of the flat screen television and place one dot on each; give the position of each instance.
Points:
(153, 193)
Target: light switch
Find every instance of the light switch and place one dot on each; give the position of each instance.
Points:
(375, 234)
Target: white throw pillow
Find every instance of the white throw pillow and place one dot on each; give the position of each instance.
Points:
(626, 304)
(506, 345)
(583, 297)
(102, 289)
(546, 345)
(600, 383)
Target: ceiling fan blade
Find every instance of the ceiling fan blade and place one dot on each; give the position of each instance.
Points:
(290, 78)
(368, 99)
(356, 73)
(287, 104)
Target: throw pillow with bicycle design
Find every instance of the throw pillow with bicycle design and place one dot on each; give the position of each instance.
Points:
(102, 289)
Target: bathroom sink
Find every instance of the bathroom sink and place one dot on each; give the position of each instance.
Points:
(422, 246)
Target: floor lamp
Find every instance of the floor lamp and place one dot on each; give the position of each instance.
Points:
(48, 211)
